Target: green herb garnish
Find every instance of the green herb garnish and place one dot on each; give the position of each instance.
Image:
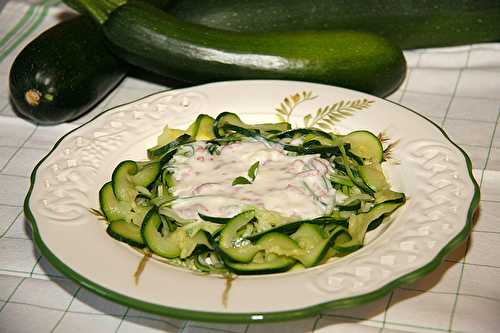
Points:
(252, 173)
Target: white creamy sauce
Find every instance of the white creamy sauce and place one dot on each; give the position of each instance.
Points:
(295, 186)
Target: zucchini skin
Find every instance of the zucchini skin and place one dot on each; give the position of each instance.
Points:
(409, 23)
(63, 72)
(146, 37)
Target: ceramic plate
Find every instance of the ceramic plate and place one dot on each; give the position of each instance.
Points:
(433, 172)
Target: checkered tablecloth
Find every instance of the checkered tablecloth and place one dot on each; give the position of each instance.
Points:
(458, 88)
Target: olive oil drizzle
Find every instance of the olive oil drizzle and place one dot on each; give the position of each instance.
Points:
(141, 266)
(229, 283)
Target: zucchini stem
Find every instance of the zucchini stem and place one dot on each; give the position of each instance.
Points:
(99, 10)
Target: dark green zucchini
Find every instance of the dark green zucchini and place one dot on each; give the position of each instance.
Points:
(63, 72)
(409, 23)
(154, 40)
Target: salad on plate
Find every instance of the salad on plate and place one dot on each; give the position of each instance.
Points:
(227, 196)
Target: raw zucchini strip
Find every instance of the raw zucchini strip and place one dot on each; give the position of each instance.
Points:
(373, 176)
(209, 262)
(226, 118)
(165, 158)
(270, 264)
(231, 245)
(167, 244)
(205, 128)
(341, 179)
(365, 145)
(278, 251)
(354, 202)
(169, 135)
(356, 180)
(158, 238)
(146, 175)
(126, 232)
(301, 150)
(158, 151)
(122, 183)
(318, 149)
(301, 132)
(358, 224)
(112, 208)
(229, 234)
(166, 178)
(229, 118)
(191, 243)
(127, 176)
(201, 128)
(248, 132)
(279, 244)
(349, 206)
(214, 219)
(291, 227)
(313, 243)
(389, 196)
(238, 254)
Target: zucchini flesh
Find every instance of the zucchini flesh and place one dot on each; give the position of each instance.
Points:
(243, 254)
(205, 128)
(365, 145)
(160, 150)
(229, 118)
(358, 225)
(230, 233)
(112, 208)
(226, 118)
(228, 246)
(271, 264)
(389, 196)
(373, 176)
(342, 180)
(127, 176)
(279, 244)
(147, 174)
(122, 183)
(168, 135)
(191, 243)
(162, 243)
(314, 245)
(209, 262)
(291, 227)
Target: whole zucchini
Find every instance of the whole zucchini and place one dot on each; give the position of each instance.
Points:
(155, 40)
(63, 72)
(408, 23)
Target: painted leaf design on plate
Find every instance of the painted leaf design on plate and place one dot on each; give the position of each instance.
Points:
(287, 106)
(326, 117)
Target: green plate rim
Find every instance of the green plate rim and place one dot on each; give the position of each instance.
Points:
(229, 317)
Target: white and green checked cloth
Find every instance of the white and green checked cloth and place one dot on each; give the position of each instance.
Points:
(457, 87)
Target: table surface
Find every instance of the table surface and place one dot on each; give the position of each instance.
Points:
(458, 88)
